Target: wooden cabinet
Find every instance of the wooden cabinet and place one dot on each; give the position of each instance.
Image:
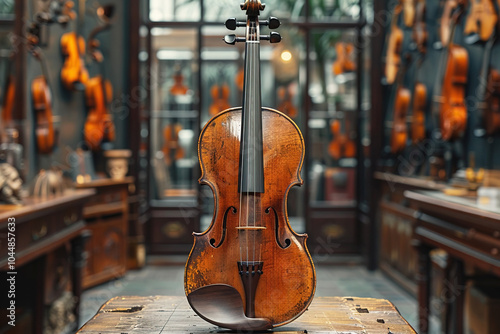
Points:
(469, 234)
(48, 252)
(106, 215)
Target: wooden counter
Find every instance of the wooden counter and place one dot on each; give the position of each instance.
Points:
(48, 251)
(469, 234)
(164, 314)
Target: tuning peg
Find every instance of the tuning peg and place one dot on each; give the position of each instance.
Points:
(273, 22)
(232, 39)
(232, 24)
(274, 37)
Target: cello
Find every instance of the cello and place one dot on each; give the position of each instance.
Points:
(286, 104)
(249, 270)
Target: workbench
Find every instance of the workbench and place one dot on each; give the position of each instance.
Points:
(168, 314)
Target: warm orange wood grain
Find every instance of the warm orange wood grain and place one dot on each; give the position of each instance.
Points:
(167, 314)
(287, 284)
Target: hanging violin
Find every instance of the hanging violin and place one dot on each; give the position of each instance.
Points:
(99, 126)
(394, 45)
(481, 20)
(286, 104)
(74, 75)
(419, 35)
(450, 103)
(249, 270)
(42, 103)
(343, 62)
(172, 150)
(341, 146)
(220, 96)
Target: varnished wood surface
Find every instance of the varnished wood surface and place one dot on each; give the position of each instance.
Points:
(104, 182)
(167, 314)
(35, 206)
(285, 268)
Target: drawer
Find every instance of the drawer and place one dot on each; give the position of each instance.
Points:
(30, 233)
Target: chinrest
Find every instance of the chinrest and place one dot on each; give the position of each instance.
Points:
(221, 305)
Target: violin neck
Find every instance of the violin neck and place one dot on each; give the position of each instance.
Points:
(251, 168)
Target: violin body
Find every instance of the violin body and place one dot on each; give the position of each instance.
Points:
(418, 117)
(482, 19)
(399, 129)
(99, 125)
(172, 150)
(453, 112)
(287, 284)
(42, 102)
(343, 62)
(74, 75)
(8, 100)
(178, 88)
(393, 58)
(286, 104)
(220, 96)
(340, 146)
(409, 12)
(492, 112)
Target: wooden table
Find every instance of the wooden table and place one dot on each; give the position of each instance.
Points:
(46, 230)
(165, 314)
(469, 234)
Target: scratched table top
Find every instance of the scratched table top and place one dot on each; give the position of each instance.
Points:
(168, 314)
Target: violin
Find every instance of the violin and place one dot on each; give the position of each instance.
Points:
(482, 19)
(401, 96)
(344, 62)
(419, 35)
(492, 113)
(249, 270)
(99, 126)
(393, 52)
(341, 145)
(409, 12)
(451, 102)
(42, 104)
(178, 88)
(239, 79)
(172, 150)
(399, 133)
(74, 75)
(286, 103)
(220, 96)
(8, 100)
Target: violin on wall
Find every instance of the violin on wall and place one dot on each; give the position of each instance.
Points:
(99, 126)
(42, 104)
(341, 146)
(394, 47)
(286, 104)
(450, 103)
(74, 74)
(220, 96)
(244, 271)
(343, 62)
(419, 35)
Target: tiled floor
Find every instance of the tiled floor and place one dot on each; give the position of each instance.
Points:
(332, 280)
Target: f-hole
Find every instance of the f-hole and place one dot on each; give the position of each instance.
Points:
(224, 221)
(276, 229)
